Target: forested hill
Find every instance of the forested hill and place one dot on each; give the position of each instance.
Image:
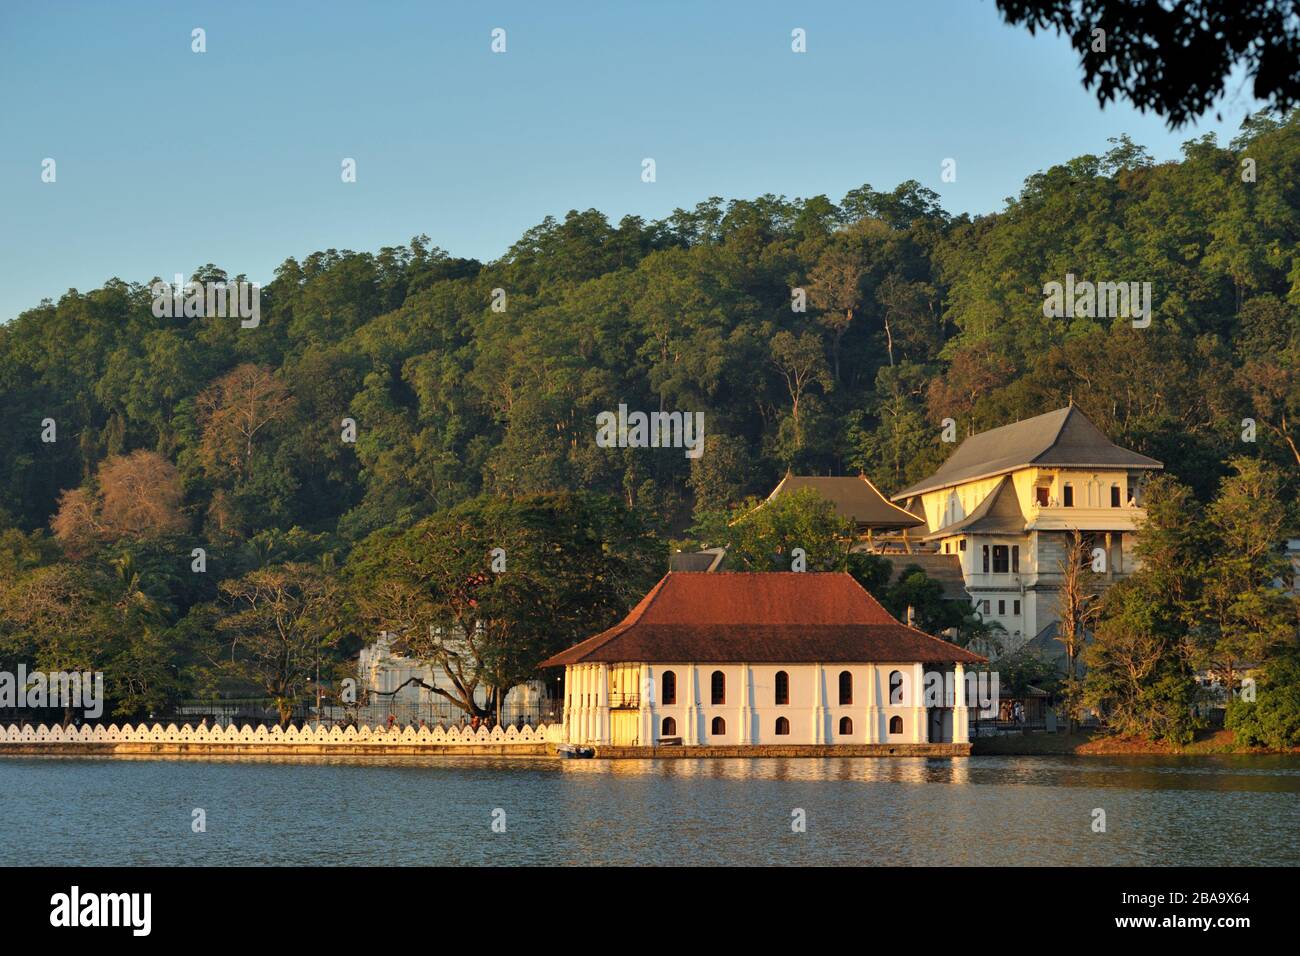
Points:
(913, 316)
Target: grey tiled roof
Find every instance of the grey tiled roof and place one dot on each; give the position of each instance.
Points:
(708, 560)
(944, 568)
(1063, 438)
(998, 513)
(854, 498)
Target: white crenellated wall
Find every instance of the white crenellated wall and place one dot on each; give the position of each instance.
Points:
(322, 735)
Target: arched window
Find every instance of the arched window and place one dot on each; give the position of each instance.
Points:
(719, 728)
(895, 687)
(782, 727)
(782, 689)
(895, 725)
(719, 687)
(846, 727)
(846, 687)
(669, 695)
(668, 728)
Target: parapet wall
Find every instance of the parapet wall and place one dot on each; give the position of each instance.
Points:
(264, 741)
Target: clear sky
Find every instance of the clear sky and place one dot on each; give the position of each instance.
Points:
(168, 159)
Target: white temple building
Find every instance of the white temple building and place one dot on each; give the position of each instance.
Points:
(1007, 501)
(769, 659)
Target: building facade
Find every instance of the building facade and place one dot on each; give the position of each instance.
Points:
(1008, 501)
(729, 659)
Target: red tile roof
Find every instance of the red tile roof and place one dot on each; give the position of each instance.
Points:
(761, 617)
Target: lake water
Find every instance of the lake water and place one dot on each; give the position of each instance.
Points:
(1229, 811)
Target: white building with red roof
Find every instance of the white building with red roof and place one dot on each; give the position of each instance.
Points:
(788, 662)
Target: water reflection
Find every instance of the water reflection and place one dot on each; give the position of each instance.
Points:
(341, 810)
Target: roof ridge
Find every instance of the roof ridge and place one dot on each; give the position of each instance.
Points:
(1065, 420)
(597, 641)
(1060, 430)
(648, 601)
(872, 486)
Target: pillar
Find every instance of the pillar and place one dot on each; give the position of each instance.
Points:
(579, 675)
(743, 715)
(580, 692)
(649, 731)
(588, 710)
(568, 704)
(692, 707)
(960, 713)
(873, 708)
(920, 732)
(602, 703)
(819, 706)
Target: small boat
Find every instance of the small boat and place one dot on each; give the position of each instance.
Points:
(573, 751)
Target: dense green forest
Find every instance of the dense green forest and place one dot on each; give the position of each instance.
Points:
(467, 379)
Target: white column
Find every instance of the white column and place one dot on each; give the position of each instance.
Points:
(819, 706)
(960, 715)
(649, 734)
(920, 731)
(579, 702)
(742, 723)
(873, 710)
(692, 707)
(568, 703)
(573, 690)
(602, 703)
(587, 710)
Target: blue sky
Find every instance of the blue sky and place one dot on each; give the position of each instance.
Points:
(168, 159)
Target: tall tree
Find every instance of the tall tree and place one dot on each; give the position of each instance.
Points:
(483, 592)
(801, 364)
(1241, 616)
(275, 626)
(1076, 611)
(238, 410)
(762, 535)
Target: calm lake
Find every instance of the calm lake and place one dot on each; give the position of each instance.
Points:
(1228, 811)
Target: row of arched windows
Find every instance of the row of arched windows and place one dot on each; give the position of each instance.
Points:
(718, 728)
(718, 687)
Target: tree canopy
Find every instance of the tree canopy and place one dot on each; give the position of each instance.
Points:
(381, 389)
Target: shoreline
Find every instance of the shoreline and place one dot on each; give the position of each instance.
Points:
(545, 742)
(1215, 743)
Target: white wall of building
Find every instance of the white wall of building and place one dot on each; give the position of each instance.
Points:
(380, 669)
(749, 709)
(1042, 545)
